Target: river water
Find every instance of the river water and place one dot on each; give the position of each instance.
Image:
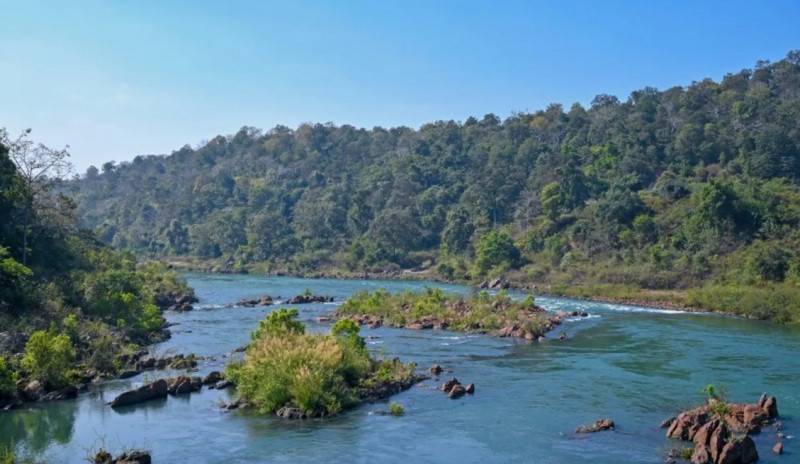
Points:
(632, 364)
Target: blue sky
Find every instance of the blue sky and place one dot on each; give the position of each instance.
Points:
(114, 79)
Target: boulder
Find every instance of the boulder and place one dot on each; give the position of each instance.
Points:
(700, 455)
(129, 373)
(456, 391)
(717, 441)
(598, 426)
(436, 369)
(66, 393)
(753, 416)
(771, 407)
(778, 448)
(470, 388)
(667, 422)
(33, 391)
(183, 384)
(703, 434)
(212, 378)
(738, 452)
(305, 299)
(289, 412)
(222, 384)
(151, 391)
(448, 385)
(134, 457)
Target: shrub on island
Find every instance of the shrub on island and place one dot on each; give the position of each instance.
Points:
(321, 374)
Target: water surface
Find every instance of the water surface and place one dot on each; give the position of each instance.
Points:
(635, 365)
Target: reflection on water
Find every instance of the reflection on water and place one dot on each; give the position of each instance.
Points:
(635, 365)
(30, 431)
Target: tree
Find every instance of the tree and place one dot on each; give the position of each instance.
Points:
(40, 167)
(495, 249)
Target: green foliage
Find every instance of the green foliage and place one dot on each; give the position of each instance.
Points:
(481, 313)
(8, 380)
(717, 401)
(670, 190)
(495, 250)
(396, 409)
(279, 322)
(48, 357)
(776, 302)
(286, 366)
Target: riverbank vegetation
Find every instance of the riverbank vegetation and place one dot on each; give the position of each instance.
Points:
(319, 374)
(482, 313)
(70, 306)
(688, 188)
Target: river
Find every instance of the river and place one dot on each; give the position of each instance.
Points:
(632, 364)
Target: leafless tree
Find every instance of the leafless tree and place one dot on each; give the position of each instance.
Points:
(40, 167)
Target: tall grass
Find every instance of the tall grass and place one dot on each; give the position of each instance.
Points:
(479, 313)
(320, 374)
(779, 302)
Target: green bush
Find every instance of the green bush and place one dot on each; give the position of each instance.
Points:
(286, 366)
(8, 380)
(495, 250)
(48, 358)
(279, 322)
(396, 409)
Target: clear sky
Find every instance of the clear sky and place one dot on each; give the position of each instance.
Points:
(114, 79)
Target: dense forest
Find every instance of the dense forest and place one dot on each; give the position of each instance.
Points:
(689, 188)
(71, 308)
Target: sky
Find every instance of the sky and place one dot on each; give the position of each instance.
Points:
(117, 79)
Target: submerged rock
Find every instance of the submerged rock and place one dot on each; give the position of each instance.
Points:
(212, 377)
(598, 426)
(151, 391)
(436, 369)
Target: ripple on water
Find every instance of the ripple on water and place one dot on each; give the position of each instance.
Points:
(635, 365)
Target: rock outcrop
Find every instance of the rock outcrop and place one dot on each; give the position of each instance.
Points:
(150, 391)
(128, 457)
(265, 300)
(306, 299)
(710, 427)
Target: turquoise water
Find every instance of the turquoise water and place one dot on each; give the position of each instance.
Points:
(632, 364)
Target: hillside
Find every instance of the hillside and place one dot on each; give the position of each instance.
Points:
(690, 187)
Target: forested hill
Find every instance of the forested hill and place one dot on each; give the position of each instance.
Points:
(668, 189)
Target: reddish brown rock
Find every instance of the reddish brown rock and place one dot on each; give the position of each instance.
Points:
(700, 455)
(456, 391)
(448, 385)
(739, 452)
(778, 448)
(717, 441)
(470, 388)
(436, 369)
(771, 407)
(703, 434)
